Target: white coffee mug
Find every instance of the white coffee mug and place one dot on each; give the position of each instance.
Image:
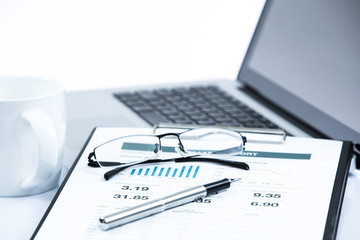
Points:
(32, 135)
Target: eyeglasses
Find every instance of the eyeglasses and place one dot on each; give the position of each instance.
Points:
(200, 144)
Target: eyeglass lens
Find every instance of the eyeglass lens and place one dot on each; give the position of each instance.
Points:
(197, 141)
(212, 140)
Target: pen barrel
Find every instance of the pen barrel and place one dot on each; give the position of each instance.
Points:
(184, 197)
(217, 186)
(152, 207)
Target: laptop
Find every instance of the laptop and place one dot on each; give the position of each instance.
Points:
(301, 73)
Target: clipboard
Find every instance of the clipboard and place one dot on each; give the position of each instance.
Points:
(333, 209)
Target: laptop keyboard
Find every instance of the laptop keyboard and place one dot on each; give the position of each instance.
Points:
(195, 105)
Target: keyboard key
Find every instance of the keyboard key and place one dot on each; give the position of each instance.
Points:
(154, 117)
(141, 108)
(184, 121)
(147, 95)
(206, 122)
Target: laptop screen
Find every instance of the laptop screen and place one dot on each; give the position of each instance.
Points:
(305, 58)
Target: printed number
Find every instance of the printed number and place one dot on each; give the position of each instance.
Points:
(265, 204)
(136, 197)
(268, 195)
(126, 187)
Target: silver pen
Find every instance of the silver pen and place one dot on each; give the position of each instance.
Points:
(162, 204)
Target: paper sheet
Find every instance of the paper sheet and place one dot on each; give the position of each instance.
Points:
(285, 195)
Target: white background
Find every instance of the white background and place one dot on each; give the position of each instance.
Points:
(103, 43)
(91, 44)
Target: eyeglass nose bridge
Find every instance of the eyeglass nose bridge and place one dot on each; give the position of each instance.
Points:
(177, 135)
(157, 148)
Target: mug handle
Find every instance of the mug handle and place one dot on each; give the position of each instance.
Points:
(46, 156)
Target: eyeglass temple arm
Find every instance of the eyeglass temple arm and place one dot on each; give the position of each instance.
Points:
(94, 163)
(194, 158)
(114, 171)
(230, 163)
(111, 173)
(91, 162)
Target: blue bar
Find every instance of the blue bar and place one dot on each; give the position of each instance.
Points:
(132, 172)
(161, 171)
(147, 171)
(189, 171)
(182, 171)
(196, 171)
(167, 172)
(140, 170)
(174, 173)
(154, 171)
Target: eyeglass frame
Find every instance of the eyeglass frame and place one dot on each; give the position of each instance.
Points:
(197, 157)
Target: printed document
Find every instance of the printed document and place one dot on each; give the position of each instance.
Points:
(285, 195)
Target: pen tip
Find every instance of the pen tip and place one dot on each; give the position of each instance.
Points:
(235, 179)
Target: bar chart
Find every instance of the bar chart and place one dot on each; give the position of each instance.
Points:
(167, 172)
